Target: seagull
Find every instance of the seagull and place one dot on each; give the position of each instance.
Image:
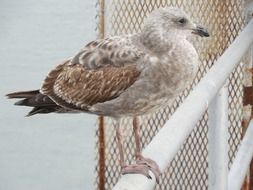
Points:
(124, 76)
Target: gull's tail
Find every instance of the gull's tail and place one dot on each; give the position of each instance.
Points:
(40, 103)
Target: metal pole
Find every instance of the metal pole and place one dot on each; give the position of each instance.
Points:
(170, 138)
(101, 125)
(101, 152)
(241, 161)
(218, 141)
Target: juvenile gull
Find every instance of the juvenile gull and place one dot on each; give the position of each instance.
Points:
(124, 76)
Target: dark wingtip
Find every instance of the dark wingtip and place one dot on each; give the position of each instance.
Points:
(8, 95)
(13, 95)
(21, 103)
(36, 110)
(22, 94)
(40, 103)
(29, 114)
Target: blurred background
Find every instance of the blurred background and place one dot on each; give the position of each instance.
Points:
(43, 152)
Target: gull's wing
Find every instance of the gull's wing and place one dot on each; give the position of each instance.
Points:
(114, 51)
(82, 82)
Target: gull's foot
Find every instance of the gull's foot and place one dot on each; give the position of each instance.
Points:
(153, 167)
(136, 169)
(142, 166)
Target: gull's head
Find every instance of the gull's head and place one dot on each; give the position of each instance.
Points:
(172, 20)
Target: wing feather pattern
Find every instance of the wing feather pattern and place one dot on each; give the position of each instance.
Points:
(100, 72)
(75, 87)
(115, 51)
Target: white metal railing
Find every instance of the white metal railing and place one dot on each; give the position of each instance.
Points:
(242, 160)
(170, 138)
(218, 141)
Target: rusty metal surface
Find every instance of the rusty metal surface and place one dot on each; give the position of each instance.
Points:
(251, 175)
(248, 95)
(101, 152)
(188, 170)
(100, 134)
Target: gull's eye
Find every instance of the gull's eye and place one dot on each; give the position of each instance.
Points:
(182, 20)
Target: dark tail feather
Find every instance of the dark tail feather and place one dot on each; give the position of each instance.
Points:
(23, 102)
(41, 110)
(23, 94)
(40, 103)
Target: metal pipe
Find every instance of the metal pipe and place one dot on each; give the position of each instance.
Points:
(218, 141)
(101, 153)
(170, 138)
(242, 160)
(101, 21)
(101, 125)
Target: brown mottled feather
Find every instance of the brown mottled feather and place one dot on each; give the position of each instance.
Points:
(75, 87)
(100, 72)
(113, 51)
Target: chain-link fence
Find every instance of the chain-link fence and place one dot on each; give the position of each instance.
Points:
(188, 170)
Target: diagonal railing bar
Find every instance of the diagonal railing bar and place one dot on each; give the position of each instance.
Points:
(242, 160)
(170, 138)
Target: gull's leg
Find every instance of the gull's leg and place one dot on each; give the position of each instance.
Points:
(125, 169)
(143, 165)
(140, 159)
(136, 129)
(119, 136)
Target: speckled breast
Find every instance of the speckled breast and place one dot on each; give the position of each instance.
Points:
(160, 82)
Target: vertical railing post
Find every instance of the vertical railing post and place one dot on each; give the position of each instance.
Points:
(218, 141)
(248, 182)
(101, 122)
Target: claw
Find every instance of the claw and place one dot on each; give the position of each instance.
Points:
(154, 168)
(136, 169)
(143, 166)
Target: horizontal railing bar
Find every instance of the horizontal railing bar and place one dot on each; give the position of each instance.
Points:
(170, 138)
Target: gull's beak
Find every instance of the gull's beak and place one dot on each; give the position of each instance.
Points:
(201, 31)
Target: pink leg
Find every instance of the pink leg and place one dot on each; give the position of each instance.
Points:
(143, 165)
(136, 129)
(119, 135)
(135, 168)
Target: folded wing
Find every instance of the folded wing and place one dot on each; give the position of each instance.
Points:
(78, 83)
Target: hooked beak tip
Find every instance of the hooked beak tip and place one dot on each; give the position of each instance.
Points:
(201, 31)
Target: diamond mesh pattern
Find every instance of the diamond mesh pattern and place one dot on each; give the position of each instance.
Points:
(188, 170)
